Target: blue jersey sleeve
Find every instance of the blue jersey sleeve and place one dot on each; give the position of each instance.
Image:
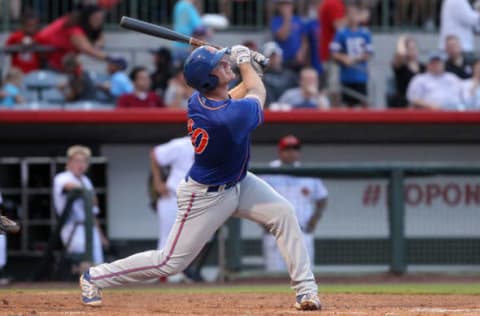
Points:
(246, 114)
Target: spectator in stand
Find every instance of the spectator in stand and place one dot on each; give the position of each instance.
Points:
(289, 33)
(10, 91)
(366, 7)
(415, 13)
(77, 32)
(352, 48)
(457, 62)
(277, 79)
(178, 91)
(460, 19)
(251, 45)
(470, 94)
(25, 61)
(185, 20)
(331, 16)
(142, 96)
(162, 59)
(435, 89)
(308, 95)
(119, 83)
(312, 33)
(79, 86)
(405, 66)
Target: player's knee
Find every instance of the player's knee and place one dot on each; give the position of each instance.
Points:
(175, 265)
(286, 210)
(284, 214)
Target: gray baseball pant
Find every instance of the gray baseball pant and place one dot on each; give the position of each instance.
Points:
(200, 214)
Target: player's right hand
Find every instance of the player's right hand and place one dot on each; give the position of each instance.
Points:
(241, 54)
(162, 190)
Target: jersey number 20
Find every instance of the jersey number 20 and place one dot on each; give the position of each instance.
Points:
(199, 137)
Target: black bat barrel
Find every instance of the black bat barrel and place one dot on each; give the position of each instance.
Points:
(152, 29)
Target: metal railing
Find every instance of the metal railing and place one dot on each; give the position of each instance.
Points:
(385, 15)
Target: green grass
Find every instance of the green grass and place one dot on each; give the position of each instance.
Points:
(404, 288)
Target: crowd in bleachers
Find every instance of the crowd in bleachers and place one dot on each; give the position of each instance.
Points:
(319, 58)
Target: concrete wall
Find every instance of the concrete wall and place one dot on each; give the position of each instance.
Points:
(128, 168)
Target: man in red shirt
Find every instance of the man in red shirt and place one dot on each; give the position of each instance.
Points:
(142, 96)
(25, 61)
(331, 15)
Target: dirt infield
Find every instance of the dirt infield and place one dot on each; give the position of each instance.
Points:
(67, 302)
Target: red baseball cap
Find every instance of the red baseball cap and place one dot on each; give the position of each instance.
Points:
(289, 141)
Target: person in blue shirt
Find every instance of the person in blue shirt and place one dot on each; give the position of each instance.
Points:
(218, 185)
(119, 82)
(10, 91)
(352, 48)
(186, 20)
(289, 33)
(312, 33)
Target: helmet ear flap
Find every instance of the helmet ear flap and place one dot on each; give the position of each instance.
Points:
(210, 83)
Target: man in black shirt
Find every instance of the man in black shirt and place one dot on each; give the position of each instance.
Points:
(457, 62)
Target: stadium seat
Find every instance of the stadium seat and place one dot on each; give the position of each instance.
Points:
(42, 80)
(390, 89)
(88, 105)
(53, 95)
(37, 106)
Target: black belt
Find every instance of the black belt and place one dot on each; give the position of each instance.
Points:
(216, 188)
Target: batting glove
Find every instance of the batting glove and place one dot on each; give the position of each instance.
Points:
(240, 54)
(259, 58)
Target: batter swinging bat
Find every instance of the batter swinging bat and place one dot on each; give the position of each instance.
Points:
(166, 33)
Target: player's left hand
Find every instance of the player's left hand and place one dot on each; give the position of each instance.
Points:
(259, 58)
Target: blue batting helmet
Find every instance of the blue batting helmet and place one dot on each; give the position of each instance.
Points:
(199, 65)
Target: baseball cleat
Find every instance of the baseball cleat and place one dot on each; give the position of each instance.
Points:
(91, 294)
(8, 226)
(308, 302)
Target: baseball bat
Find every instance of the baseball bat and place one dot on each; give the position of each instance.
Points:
(161, 32)
(166, 33)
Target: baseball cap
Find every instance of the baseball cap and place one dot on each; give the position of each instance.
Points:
(436, 55)
(200, 31)
(271, 48)
(289, 141)
(118, 61)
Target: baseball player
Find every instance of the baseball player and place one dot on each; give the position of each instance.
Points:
(217, 185)
(177, 154)
(6, 226)
(73, 231)
(308, 196)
